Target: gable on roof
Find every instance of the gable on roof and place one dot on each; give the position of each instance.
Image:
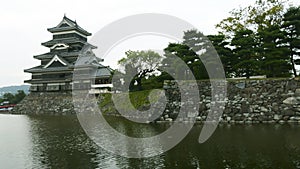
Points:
(67, 25)
(64, 25)
(59, 46)
(66, 22)
(56, 61)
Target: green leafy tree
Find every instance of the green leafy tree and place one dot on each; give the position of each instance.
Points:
(263, 19)
(263, 13)
(19, 96)
(141, 64)
(8, 97)
(14, 98)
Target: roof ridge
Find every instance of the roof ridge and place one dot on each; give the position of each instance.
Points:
(65, 17)
(72, 25)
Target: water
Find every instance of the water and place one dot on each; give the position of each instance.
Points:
(59, 142)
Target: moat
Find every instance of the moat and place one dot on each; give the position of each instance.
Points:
(59, 142)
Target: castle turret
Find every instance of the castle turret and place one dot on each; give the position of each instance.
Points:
(56, 69)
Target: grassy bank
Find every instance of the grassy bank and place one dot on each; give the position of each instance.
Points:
(139, 99)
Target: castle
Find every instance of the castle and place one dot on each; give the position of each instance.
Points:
(55, 73)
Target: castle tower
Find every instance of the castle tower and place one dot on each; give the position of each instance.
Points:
(56, 69)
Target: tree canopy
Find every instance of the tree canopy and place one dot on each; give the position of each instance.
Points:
(13, 98)
(291, 27)
(139, 64)
(259, 39)
(265, 30)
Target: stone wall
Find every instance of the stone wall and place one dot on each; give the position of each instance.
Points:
(248, 101)
(50, 103)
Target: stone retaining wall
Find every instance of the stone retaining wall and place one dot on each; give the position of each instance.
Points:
(249, 101)
(50, 103)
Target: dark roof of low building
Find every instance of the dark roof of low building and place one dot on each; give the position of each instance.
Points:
(104, 71)
(67, 25)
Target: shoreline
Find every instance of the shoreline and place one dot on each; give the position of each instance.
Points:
(197, 122)
(247, 102)
(5, 112)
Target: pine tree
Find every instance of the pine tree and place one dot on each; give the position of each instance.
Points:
(225, 53)
(273, 56)
(291, 28)
(247, 63)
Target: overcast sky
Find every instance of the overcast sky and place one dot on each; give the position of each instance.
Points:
(24, 23)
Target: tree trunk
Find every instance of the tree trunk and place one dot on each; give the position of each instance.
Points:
(139, 83)
(293, 63)
(294, 69)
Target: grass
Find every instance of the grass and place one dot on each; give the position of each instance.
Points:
(138, 99)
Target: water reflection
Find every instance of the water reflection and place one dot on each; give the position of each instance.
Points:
(15, 142)
(59, 142)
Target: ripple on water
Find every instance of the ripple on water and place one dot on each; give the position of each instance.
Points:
(59, 142)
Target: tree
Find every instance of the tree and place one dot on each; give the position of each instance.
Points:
(291, 26)
(19, 96)
(274, 58)
(195, 40)
(190, 58)
(140, 64)
(8, 97)
(246, 57)
(264, 20)
(182, 51)
(187, 55)
(14, 98)
(262, 13)
(197, 52)
(205, 53)
(226, 54)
